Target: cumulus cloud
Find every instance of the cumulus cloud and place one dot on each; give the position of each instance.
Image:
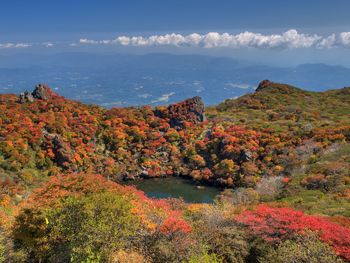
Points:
(342, 40)
(289, 39)
(327, 42)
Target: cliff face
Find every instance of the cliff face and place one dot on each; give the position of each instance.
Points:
(190, 110)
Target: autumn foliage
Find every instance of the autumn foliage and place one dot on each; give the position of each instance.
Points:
(68, 213)
(60, 160)
(279, 224)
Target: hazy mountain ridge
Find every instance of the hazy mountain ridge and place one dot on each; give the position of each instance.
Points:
(133, 80)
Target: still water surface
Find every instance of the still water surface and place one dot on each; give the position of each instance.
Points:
(175, 187)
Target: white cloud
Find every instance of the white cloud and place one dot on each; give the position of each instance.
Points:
(289, 39)
(342, 40)
(18, 45)
(241, 86)
(125, 41)
(24, 45)
(85, 41)
(327, 42)
(164, 97)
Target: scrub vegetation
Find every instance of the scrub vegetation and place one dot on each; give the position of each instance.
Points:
(281, 153)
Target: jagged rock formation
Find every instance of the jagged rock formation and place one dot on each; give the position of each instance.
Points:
(263, 84)
(190, 110)
(26, 96)
(42, 92)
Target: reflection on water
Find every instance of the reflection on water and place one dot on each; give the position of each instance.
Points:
(175, 187)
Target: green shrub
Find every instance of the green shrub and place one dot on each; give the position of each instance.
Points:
(77, 229)
(306, 249)
(91, 227)
(204, 258)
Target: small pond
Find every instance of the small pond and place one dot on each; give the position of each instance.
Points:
(175, 187)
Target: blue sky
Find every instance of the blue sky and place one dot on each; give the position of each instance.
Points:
(277, 32)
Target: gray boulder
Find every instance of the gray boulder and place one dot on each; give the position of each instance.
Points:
(42, 92)
(25, 96)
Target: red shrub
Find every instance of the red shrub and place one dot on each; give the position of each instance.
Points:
(279, 224)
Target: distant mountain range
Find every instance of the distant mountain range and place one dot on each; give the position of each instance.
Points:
(133, 80)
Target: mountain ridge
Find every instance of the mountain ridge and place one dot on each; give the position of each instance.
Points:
(281, 154)
(132, 80)
(273, 103)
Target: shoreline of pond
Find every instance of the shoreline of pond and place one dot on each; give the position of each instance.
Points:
(175, 187)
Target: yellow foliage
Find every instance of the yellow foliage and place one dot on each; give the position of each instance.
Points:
(194, 208)
(128, 256)
(278, 169)
(139, 211)
(267, 158)
(5, 200)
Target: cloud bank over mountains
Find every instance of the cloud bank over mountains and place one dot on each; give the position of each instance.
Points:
(290, 39)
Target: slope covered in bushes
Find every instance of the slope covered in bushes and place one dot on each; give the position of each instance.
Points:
(282, 154)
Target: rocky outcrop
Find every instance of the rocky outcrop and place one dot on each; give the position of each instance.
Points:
(247, 156)
(26, 96)
(190, 110)
(144, 172)
(263, 84)
(42, 92)
(62, 150)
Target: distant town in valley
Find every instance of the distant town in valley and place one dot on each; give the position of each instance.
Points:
(115, 80)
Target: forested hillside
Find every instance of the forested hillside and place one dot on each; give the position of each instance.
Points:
(281, 153)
